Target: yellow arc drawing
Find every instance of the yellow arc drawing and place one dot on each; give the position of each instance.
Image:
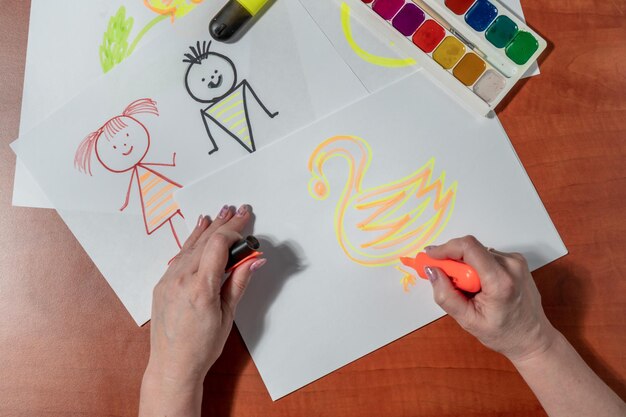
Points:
(363, 54)
(376, 226)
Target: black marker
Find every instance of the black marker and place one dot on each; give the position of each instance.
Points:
(243, 251)
(233, 16)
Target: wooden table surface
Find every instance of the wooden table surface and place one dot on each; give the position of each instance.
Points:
(69, 348)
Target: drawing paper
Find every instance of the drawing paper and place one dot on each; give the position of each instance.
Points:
(62, 59)
(59, 67)
(261, 88)
(329, 294)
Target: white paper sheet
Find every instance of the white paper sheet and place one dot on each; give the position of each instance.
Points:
(276, 61)
(313, 309)
(62, 60)
(61, 65)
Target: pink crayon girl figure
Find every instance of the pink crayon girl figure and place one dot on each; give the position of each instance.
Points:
(121, 145)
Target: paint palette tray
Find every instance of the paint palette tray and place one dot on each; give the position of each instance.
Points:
(477, 49)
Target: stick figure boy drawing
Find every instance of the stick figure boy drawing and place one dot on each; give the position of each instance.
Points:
(212, 79)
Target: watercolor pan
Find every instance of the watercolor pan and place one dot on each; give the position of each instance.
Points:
(476, 48)
(492, 26)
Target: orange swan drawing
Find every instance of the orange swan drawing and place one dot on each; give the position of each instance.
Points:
(376, 226)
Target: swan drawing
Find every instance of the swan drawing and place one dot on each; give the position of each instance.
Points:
(378, 225)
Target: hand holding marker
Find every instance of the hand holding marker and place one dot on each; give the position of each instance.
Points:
(463, 276)
(233, 16)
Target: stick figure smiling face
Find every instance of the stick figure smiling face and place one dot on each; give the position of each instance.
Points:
(211, 78)
(123, 144)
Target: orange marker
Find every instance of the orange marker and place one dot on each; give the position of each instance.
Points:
(463, 276)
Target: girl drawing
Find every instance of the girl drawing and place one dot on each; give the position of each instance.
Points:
(121, 145)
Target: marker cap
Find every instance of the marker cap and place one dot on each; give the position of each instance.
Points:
(233, 16)
(253, 6)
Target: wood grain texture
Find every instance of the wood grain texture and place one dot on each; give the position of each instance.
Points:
(68, 347)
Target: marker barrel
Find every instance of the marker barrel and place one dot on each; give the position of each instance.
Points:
(241, 251)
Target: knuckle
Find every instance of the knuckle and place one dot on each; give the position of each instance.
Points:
(157, 290)
(468, 325)
(441, 298)
(240, 285)
(207, 292)
(507, 287)
(201, 299)
(211, 297)
(178, 284)
(518, 256)
(517, 264)
(470, 242)
(218, 240)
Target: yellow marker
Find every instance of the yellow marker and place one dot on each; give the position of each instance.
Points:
(233, 16)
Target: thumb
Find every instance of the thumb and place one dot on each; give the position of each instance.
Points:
(235, 286)
(451, 300)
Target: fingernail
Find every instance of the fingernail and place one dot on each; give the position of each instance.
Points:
(431, 274)
(224, 212)
(243, 210)
(258, 264)
(427, 248)
(200, 220)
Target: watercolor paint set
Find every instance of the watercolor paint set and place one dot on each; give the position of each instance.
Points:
(477, 48)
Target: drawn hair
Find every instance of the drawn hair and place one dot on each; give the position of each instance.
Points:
(82, 158)
(199, 53)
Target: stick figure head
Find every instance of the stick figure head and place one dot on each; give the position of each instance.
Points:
(121, 143)
(210, 76)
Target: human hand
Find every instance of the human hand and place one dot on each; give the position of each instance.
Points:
(192, 312)
(506, 315)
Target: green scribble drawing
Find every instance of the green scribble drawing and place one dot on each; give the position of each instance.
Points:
(114, 47)
(115, 41)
